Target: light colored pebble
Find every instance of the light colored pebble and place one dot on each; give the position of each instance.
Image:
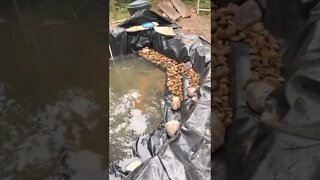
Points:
(194, 98)
(172, 127)
(187, 65)
(191, 91)
(248, 13)
(257, 93)
(175, 105)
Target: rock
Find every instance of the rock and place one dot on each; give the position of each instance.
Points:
(187, 65)
(132, 166)
(194, 98)
(248, 13)
(170, 64)
(191, 91)
(257, 93)
(145, 50)
(172, 127)
(270, 117)
(175, 104)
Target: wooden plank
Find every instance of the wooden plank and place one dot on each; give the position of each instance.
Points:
(119, 21)
(169, 10)
(169, 3)
(182, 8)
(167, 31)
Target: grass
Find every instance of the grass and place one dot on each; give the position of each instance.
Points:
(204, 4)
(122, 12)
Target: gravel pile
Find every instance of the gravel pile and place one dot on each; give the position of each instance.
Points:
(240, 24)
(174, 72)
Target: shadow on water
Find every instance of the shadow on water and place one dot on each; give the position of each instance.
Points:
(136, 100)
(53, 93)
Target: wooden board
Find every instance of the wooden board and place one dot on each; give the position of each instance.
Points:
(167, 31)
(140, 28)
(182, 8)
(169, 10)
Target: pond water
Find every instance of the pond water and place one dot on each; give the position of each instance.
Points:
(136, 89)
(53, 97)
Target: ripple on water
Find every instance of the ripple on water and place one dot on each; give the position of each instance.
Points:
(136, 90)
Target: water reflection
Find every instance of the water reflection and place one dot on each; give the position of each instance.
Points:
(52, 90)
(53, 145)
(136, 101)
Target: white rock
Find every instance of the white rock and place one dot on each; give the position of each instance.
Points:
(191, 91)
(194, 98)
(270, 117)
(145, 50)
(187, 65)
(257, 93)
(132, 166)
(175, 104)
(172, 127)
(248, 13)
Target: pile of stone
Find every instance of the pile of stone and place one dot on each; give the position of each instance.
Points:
(174, 72)
(241, 24)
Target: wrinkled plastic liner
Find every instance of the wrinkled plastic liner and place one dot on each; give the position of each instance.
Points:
(256, 150)
(186, 155)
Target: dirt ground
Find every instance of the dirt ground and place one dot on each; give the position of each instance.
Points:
(196, 24)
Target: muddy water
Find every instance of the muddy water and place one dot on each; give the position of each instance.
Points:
(53, 119)
(136, 90)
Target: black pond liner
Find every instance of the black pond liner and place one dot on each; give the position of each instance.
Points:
(255, 150)
(186, 155)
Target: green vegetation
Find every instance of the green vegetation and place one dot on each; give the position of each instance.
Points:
(205, 4)
(121, 8)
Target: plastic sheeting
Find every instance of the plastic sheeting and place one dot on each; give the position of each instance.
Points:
(186, 155)
(254, 149)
